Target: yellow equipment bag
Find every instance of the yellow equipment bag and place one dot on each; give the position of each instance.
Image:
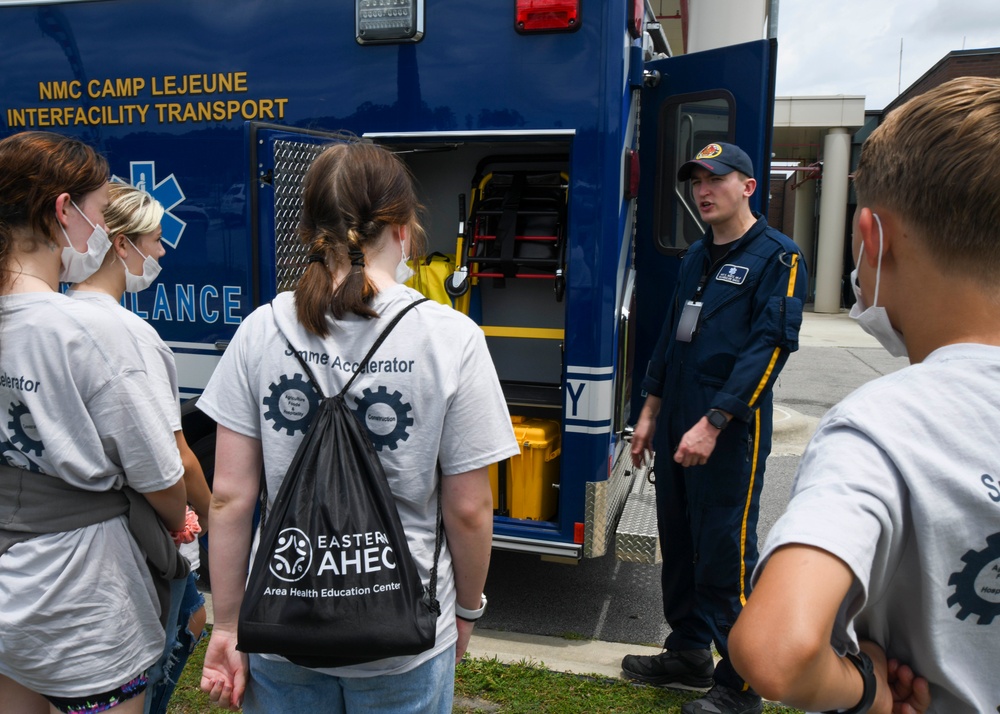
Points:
(430, 274)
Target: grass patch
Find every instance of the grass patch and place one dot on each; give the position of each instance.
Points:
(490, 686)
(188, 697)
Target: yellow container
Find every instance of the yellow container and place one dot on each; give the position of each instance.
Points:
(531, 477)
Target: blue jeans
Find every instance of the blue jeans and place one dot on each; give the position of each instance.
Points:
(277, 687)
(185, 600)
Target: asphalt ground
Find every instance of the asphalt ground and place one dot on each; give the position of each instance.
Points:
(584, 618)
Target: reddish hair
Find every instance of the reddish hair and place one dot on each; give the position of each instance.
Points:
(35, 168)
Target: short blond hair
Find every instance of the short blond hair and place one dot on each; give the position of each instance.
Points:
(934, 161)
(131, 211)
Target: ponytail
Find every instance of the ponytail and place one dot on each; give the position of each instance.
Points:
(350, 194)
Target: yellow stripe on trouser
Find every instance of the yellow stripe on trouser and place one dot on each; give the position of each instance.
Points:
(746, 508)
(756, 446)
(746, 517)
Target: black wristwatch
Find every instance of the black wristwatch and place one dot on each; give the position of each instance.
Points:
(864, 664)
(717, 419)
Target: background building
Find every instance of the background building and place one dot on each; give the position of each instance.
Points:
(817, 139)
(815, 191)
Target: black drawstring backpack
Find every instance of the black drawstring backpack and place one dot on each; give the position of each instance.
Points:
(333, 582)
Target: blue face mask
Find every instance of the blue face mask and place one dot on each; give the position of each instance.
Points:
(77, 266)
(874, 319)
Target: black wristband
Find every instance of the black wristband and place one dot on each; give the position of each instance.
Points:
(864, 664)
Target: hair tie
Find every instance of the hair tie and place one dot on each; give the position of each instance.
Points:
(316, 259)
(357, 256)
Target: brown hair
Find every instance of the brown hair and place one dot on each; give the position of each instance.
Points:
(934, 161)
(35, 167)
(351, 192)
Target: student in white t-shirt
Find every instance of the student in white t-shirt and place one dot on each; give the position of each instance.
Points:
(890, 547)
(131, 265)
(79, 613)
(429, 396)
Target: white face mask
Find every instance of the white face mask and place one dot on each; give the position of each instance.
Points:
(403, 271)
(875, 320)
(150, 269)
(77, 266)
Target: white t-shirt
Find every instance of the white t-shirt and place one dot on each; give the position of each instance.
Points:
(902, 483)
(78, 614)
(161, 371)
(429, 394)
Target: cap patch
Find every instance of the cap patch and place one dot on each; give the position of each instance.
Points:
(709, 152)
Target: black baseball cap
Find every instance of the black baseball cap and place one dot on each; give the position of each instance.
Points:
(719, 158)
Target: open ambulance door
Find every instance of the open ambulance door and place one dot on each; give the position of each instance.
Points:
(278, 161)
(689, 101)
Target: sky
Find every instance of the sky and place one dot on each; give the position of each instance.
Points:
(852, 47)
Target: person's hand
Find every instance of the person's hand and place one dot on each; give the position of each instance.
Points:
(642, 438)
(224, 674)
(697, 444)
(190, 531)
(465, 629)
(910, 694)
(898, 689)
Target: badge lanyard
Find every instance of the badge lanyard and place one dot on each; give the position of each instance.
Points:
(692, 310)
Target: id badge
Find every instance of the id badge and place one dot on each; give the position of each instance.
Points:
(689, 321)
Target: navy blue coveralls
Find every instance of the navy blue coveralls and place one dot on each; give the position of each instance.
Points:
(707, 515)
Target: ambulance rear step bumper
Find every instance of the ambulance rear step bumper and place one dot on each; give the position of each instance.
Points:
(636, 538)
(537, 546)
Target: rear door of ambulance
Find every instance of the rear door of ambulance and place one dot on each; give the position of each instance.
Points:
(689, 101)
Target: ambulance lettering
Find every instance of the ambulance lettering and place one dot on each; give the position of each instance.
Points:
(589, 396)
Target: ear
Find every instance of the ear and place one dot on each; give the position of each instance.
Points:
(868, 226)
(64, 204)
(749, 186)
(118, 243)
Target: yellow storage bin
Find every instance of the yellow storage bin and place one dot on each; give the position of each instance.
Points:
(531, 478)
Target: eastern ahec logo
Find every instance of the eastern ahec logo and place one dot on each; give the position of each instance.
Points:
(292, 556)
(356, 553)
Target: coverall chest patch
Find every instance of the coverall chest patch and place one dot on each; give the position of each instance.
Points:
(734, 274)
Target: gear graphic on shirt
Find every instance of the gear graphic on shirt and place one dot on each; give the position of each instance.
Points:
(977, 586)
(22, 427)
(291, 404)
(17, 458)
(384, 416)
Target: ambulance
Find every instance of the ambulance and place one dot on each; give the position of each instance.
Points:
(544, 136)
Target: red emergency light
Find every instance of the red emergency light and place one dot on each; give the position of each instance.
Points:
(547, 15)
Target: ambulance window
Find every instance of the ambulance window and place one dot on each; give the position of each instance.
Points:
(687, 124)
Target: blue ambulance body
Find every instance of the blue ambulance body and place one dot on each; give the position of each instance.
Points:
(216, 108)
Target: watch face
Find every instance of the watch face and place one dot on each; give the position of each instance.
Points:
(717, 419)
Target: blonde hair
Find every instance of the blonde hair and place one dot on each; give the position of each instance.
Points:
(934, 161)
(131, 211)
